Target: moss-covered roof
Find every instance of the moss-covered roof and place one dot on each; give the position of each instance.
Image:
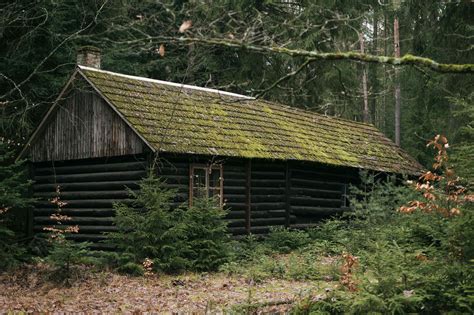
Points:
(185, 119)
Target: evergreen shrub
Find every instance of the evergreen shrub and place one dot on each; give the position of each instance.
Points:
(176, 239)
(14, 202)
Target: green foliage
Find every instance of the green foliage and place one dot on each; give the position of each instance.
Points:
(463, 146)
(145, 221)
(14, 199)
(202, 237)
(65, 254)
(193, 238)
(407, 263)
(284, 240)
(131, 268)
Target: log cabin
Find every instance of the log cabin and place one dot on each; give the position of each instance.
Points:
(266, 163)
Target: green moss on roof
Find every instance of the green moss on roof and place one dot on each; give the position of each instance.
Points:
(187, 120)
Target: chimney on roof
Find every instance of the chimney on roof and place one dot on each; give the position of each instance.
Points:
(89, 56)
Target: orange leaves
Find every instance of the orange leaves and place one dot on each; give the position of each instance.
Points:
(4, 209)
(56, 231)
(440, 143)
(185, 26)
(148, 266)
(441, 188)
(161, 50)
(350, 263)
(412, 206)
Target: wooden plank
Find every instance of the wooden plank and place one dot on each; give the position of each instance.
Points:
(84, 126)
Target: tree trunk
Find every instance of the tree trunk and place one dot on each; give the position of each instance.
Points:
(364, 82)
(396, 42)
(373, 78)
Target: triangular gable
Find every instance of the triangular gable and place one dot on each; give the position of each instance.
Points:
(81, 123)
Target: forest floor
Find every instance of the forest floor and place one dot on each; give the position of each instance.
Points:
(31, 289)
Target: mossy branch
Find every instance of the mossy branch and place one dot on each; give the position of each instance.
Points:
(354, 56)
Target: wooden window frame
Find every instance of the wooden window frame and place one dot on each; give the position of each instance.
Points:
(207, 168)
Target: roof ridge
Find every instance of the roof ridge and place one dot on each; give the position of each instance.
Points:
(180, 85)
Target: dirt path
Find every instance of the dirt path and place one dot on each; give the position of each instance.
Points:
(108, 292)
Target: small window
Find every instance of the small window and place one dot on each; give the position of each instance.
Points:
(206, 182)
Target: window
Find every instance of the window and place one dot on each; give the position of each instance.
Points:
(206, 182)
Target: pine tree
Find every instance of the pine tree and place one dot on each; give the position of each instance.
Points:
(14, 188)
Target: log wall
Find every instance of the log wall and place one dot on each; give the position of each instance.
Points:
(258, 194)
(89, 188)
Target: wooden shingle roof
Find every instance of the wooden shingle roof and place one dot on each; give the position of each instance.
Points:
(185, 119)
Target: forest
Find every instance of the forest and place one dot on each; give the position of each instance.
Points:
(403, 66)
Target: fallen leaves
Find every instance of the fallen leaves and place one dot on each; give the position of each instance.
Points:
(109, 292)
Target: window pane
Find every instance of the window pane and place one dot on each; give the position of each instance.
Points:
(199, 193)
(199, 183)
(199, 178)
(215, 178)
(215, 193)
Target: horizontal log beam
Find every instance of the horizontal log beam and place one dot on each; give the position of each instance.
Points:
(315, 211)
(83, 229)
(90, 168)
(268, 175)
(93, 212)
(105, 176)
(268, 206)
(314, 192)
(268, 183)
(88, 203)
(77, 220)
(100, 194)
(308, 201)
(88, 186)
(296, 183)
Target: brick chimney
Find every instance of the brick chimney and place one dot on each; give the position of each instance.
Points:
(89, 56)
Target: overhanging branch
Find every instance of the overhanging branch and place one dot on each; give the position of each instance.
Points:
(315, 55)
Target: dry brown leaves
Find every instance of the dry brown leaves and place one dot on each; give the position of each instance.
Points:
(27, 290)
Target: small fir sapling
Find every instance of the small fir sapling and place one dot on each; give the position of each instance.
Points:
(64, 253)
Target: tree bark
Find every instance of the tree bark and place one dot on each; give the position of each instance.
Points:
(366, 117)
(396, 42)
(373, 78)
